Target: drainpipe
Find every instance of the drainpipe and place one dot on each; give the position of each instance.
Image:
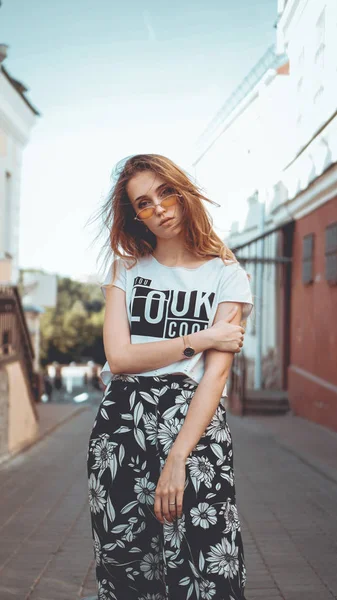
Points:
(259, 303)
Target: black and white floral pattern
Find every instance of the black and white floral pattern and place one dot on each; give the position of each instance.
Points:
(197, 557)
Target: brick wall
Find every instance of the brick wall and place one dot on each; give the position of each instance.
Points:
(312, 371)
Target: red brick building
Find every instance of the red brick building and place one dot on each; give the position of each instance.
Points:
(312, 372)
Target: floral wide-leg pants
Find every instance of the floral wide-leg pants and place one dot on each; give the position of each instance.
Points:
(200, 555)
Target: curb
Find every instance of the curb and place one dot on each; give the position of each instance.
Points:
(5, 459)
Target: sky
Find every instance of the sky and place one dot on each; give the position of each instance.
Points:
(112, 79)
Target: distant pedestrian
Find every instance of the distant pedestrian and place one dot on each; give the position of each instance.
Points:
(160, 459)
(95, 381)
(58, 383)
(48, 386)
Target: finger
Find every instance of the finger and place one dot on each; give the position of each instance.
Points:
(158, 508)
(179, 503)
(172, 507)
(165, 508)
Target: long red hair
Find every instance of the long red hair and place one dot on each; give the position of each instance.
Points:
(129, 239)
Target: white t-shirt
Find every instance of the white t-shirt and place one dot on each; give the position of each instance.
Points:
(167, 302)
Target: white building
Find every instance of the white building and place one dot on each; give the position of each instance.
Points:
(307, 32)
(243, 149)
(17, 117)
(274, 145)
(18, 389)
(239, 158)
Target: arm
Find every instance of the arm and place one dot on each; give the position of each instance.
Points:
(208, 394)
(201, 410)
(124, 357)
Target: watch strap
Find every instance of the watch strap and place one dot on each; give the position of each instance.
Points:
(188, 351)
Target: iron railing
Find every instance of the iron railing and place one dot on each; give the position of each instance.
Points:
(267, 256)
(15, 342)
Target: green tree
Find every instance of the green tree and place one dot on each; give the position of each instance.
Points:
(73, 329)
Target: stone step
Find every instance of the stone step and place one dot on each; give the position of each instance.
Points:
(266, 402)
(266, 410)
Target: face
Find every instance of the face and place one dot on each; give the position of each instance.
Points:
(147, 189)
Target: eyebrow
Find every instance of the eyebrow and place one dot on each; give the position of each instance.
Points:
(145, 195)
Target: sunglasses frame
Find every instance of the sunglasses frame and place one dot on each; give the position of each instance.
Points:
(153, 207)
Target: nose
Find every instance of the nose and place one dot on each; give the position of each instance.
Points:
(158, 209)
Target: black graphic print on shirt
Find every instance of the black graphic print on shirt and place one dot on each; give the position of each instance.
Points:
(168, 313)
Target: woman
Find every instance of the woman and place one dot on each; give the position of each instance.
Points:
(160, 460)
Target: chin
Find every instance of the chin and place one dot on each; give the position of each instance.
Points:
(169, 234)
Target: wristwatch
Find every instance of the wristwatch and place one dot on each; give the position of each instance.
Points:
(188, 351)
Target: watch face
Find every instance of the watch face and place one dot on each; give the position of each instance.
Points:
(189, 352)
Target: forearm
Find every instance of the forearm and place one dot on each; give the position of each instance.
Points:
(199, 414)
(139, 358)
(207, 395)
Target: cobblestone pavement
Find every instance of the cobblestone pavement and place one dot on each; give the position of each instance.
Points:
(287, 507)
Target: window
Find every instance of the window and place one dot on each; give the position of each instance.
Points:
(8, 213)
(301, 99)
(318, 94)
(319, 57)
(319, 54)
(299, 72)
(331, 253)
(307, 258)
(300, 85)
(300, 60)
(320, 29)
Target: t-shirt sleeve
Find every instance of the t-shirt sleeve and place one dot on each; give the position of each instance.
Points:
(120, 278)
(235, 287)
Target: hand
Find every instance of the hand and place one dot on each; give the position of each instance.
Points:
(226, 336)
(168, 503)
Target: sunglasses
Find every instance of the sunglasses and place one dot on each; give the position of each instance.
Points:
(148, 211)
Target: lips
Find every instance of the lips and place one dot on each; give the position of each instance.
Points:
(166, 221)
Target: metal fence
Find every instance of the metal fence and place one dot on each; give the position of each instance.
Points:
(268, 259)
(15, 342)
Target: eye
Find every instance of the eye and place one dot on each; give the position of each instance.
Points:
(143, 204)
(167, 191)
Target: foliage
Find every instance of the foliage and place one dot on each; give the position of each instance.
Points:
(72, 331)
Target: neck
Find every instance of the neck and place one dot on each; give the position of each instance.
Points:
(171, 252)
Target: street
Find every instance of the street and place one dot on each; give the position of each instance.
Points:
(286, 497)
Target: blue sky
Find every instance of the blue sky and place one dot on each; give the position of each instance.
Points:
(112, 79)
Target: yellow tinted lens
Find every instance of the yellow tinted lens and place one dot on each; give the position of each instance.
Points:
(169, 201)
(145, 213)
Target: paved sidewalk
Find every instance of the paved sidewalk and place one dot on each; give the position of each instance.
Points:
(53, 415)
(50, 417)
(313, 444)
(287, 508)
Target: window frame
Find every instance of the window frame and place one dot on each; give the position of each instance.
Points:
(331, 253)
(308, 249)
